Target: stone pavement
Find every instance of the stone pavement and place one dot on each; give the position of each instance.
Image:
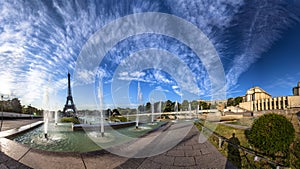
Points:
(16, 123)
(187, 154)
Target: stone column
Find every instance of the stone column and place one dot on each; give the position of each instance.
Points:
(275, 101)
(278, 100)
(262, 104)
(271, 107)
(283, 104)
(267, 101)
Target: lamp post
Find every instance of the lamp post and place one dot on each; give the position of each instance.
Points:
(2, 105)
(6, 96)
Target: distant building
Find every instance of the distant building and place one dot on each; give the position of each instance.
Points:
(296, 90)
(234, 109)
(256, 99)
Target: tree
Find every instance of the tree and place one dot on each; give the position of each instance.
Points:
(230, 102)
(204, 105)
(194, 104)
(16, 105)
(148, 107)
(238, 100)
(115, 112)
(234, 101)
(168, 106)
(272, 133)
(108, 112)
(185, 105)
(141, 108)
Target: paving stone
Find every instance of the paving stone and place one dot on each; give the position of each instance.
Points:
(184, 147)
(175, 153)
(129, 165)
(137, 160)
(2, 166)
(12, 149)
(206, 161)
(3, 158)
(118, 167)
(12, 164)
(205, 151)
(149, 164)
(192, 153)
(190, 142)
(199, 146)
(45, 160)
(132, 163)
(22, 166)
(164, 160)
(171, 167)
(187, 147)
(103, 161)
(184, 161)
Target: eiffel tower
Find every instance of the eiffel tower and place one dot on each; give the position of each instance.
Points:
(69, 103)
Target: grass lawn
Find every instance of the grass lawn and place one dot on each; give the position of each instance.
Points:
(243, 122)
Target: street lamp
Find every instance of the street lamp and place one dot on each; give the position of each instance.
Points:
(2, 109)
(2, 105)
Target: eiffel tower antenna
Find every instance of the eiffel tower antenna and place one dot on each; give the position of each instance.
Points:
(69, 103)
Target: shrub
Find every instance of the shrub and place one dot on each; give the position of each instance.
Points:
(118, 118)
(272, 133)
(69, 120)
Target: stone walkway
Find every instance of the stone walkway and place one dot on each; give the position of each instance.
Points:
(10, 124)
(187, 154)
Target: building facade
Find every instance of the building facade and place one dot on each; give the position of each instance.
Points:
(256, 99)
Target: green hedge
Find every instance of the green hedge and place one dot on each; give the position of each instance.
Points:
(272, 133)
(69, 120)
(118, 119)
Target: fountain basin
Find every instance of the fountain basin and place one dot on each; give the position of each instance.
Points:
(87, 127)
(62, 138)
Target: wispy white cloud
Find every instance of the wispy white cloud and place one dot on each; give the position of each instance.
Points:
(159, 88)
(41, 39)
(266, 20)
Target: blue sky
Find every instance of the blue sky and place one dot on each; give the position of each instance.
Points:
(40, 41)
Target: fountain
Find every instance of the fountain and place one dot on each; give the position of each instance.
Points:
(69, 137)
(102, 124)
(137, 118)
(152, 112)
(197, 111)
(139, 99)
(159, 107)
(190, 110)
(152, 115)
(176, 110)
(46, 124)
(176, 107)
(46, 112)
(100, 96)
(56, 117)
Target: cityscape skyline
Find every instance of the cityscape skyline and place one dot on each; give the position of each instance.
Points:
(257, 44)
